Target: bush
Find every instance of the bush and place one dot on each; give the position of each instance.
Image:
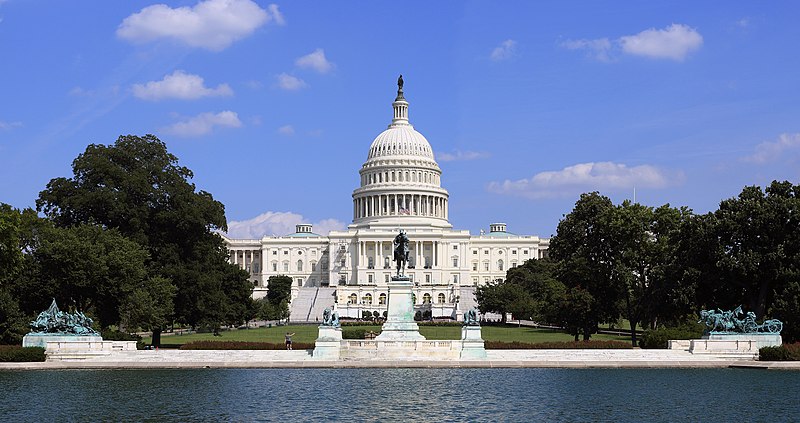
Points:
(241, 345)
(785, 352)
(657, 338)
(115, 335)
(566, 345)
(16, 353)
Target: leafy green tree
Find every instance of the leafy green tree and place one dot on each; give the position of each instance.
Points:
(275, 306)
(576, 313)
(503, 298)
(138, 188)
(538, 278)
(149, 305)
(584, 246)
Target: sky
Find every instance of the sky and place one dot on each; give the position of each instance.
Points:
(526, 104)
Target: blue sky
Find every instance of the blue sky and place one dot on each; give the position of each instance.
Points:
(526, 104)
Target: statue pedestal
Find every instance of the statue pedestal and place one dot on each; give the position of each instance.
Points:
(41, 339)
(400, 324)
(328, 344)
(472, 343)
(734, 343)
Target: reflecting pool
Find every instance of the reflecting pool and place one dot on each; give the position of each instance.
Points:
(518, 395)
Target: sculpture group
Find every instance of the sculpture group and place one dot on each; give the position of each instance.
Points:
(55, 321)
(718, 321)
(330, 318)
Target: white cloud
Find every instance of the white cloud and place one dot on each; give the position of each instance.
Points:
(316, 61)
(461, 156)
(290, 83)
(4, 126)
(588, 176)
(597, 49)
(278, 223)
(210, 24)
(505, 50)
(286, 130)
(204, 123)
(673, 42)
(771, 151)
(180, 85)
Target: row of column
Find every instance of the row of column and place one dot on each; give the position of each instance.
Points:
(242, 259)
(417, 251)
(400, 204)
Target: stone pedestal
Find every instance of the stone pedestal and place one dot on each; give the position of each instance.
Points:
(41, 339)
(733, 344)
(400, 324)
(472, 343)
(328, 344)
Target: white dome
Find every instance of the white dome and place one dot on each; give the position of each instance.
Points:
(400, 141)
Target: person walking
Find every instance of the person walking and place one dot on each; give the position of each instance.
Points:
(289, 340)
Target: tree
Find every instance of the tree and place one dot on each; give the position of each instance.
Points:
(576, 313)
(503, 298)
(12, 324)
(275, 306)
(149, 306)
(584, 247)
(538, 278)
(138, 188)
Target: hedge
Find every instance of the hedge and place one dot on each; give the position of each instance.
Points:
(657, 338)
(16, 353)
(242, 345)
(565, 345)
(785, 352)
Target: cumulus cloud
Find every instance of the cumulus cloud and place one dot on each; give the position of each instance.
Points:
(286, 130)
(204, 123)
(674, 42)
(504, 51)
(290, 83)
(211, 24)
(315, 60)
(461, 156)
(278, 223)
(771, 151)
(179, 85)
(606, 176)
(4, 126)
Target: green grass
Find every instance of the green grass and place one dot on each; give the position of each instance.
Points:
(308, 333)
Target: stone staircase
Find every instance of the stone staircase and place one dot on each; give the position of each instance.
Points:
(310, 303)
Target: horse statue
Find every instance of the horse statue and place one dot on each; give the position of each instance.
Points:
(401, 252)
(471, 317)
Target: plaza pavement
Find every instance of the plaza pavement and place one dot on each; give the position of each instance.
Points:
(182, 359)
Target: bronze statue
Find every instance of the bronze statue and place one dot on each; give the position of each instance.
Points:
(400, 83)
(471, 317)
(401, 251)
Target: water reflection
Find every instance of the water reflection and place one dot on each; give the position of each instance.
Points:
(401, 395)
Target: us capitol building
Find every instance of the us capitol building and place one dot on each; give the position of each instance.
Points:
(400, 188)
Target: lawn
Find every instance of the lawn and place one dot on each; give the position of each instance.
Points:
(308, 333)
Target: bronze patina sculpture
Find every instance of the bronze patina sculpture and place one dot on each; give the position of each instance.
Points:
(330, 317)
(471, 317)
(401, 252)
(57, 322)
(718, 321)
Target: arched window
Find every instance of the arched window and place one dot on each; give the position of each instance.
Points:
(299, 265)
(353, 299)
(440, 298)
(500, 265)
(367, 299)
(382, 299)
(426, 299)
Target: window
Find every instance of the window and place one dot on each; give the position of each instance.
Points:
(299, 265)
(386, 278)
(426, 299)
(455, 261)
(285, 252)
(427, 278)
(313, 266)
(382, 299)
(286, 266)
(274, 266)
(367, 299)
(299, 281)
(370, 279)
(455, 247)
(342, 262)
(474, 280)
(455, 278)
(500, 265)
(300, 253)
(524, 251)
(513, 264)
(255, 267)
(485, 251)
(370, 263)
(513, 251)
(353, 299)
(486, 266)
(274, 252)
(474, 266)
(440, 298)
(324, 266)
(475, 252)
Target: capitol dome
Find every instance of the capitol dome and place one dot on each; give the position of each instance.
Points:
(400, 181)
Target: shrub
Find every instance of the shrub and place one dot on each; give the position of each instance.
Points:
(566, 345)
(16, 353)
(785, 352)
(657, 338)
(242, 345)
(115, 335)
